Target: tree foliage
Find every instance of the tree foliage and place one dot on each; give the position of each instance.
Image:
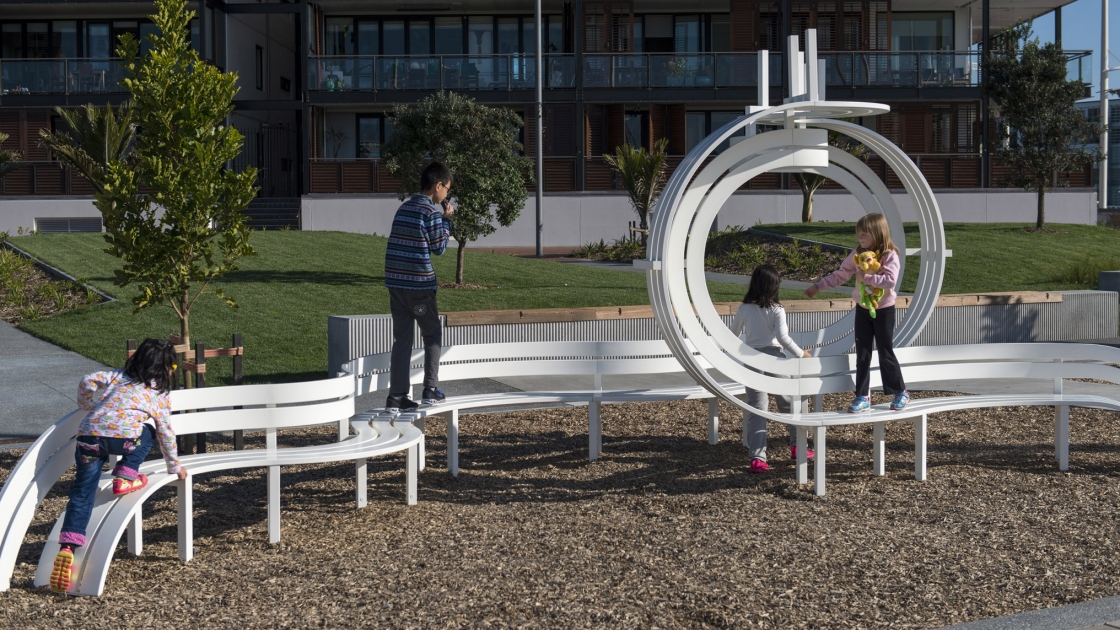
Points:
(187, 228)
(643, 175)
(479, 145)
(1042, 130)
(92, 138)
(9, 158)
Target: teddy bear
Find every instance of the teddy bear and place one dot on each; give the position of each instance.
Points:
(868, 296)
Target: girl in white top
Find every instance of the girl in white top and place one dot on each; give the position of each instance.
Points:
(761, 322)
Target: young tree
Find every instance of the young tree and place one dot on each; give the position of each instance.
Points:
(1027, 85)
(97, 137)
(9, 158)
(810, 182)
(643, 175)
(479, 145)
(187, 230)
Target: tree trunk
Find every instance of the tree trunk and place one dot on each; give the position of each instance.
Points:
(807, 206)
(1041, 221)
(459, 261)
(185, 334)
(643, 223)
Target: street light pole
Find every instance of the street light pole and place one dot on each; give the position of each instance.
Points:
(540, 126)
(1102, 194)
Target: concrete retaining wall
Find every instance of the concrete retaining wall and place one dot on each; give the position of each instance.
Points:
(21, 212)
(574, 219)
(1080, 316)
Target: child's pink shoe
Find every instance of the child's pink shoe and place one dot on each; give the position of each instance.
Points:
(758, 467)
(793, 453)
(124, 486)
(61, 575)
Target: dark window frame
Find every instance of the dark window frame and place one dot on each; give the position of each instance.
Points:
(258, 67)
(380, 20)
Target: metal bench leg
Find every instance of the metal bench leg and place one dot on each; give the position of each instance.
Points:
(136, 532)
(802, 454)
(818, 461)
(594, 430)
(419, 424)
(879, 449)
(360, 476)
(186, 519)
(343, 429)
(713, 421)
(1061, 437)
(920, 428)
(411, 473)
(453, 443)
(274, 504)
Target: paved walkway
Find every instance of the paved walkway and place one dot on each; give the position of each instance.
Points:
(1099, 614)
(38, 383)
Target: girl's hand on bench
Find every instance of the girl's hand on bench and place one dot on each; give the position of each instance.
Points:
(182, 474)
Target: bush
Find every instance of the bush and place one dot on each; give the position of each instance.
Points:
(1085, 271)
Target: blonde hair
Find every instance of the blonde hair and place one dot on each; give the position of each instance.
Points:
(876, 226)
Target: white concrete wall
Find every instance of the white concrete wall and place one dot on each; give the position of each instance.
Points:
(21, 212)
(574, 219)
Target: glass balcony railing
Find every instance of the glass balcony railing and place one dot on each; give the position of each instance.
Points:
(60, 76)
(720, 70)
(445, 72)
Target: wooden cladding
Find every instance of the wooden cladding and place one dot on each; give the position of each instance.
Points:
(608, 26)
(859, 25)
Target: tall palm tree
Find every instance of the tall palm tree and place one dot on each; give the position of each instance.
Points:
(643, 175)
(96, 137)
(9, 159)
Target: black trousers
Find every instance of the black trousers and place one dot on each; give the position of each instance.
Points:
(881, 331)
(408, 306)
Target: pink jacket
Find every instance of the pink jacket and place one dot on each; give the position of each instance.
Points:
(119, 407)
(885, 279)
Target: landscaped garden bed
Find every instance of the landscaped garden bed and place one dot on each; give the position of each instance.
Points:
(27, 293)
(663, 531)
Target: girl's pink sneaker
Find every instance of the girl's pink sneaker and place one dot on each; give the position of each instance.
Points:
(793, 453)
(124, 486)
(758, 467)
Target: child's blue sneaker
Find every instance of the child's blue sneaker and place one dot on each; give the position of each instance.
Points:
(900, 401)
(432, 396)
(859, 405)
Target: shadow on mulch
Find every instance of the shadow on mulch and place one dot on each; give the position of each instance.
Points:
(663, 531)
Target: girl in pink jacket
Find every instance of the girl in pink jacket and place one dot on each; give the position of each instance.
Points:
(874, 235)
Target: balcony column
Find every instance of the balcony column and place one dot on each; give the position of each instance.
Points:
(1102, 195)
(1058, 27)
(985, 131)
(581, 123)
(303, 120)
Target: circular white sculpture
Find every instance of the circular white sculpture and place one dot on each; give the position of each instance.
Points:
(696, 192)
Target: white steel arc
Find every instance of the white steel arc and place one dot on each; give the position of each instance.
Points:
(693, 197)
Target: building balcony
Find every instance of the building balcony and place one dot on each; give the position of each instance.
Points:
(444, 72)
(60, 76)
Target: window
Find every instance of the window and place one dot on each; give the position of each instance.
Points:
(285, 84)
(11, 41)
(259, 67)
(419, 37)
(480, 35)
(371, 129)
(64, 39)
(922, 31)
(659, 33)
(770, 26)
(38, 40)
(554, 33)
(941, 129)
(721, 33)
(392, 38)
(339, 36)
(637, 129)
(700, 125)
(100, 44)
(449, 36)
(686, 34)
(146, 28)
(968, 117)
(369, 37)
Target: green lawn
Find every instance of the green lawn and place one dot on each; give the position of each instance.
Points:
(297, 280)
(990, 257)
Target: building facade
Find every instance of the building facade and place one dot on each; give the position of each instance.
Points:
(318, 80)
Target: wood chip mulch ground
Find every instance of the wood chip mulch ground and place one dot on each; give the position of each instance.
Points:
(665, 531)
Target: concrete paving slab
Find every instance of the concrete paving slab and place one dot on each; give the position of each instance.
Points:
(1099, 612)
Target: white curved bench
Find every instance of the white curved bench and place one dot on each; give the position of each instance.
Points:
(267, 407)
(803, 377)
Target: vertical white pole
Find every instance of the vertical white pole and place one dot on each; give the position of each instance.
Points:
(713, 421)
(411, 473)
(802, 455)
(136, 531)
(594, 430)
(419, 424)
(811, 68)
(818, 460)
(186, 519)
(921, 426)
(540, 126)
(879, 449)
(1102, 195)
(764, 78)
(360, 476)
(453, 443)
(273, 489)
(796, 67)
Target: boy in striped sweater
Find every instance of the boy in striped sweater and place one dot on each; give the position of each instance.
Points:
(421, 229)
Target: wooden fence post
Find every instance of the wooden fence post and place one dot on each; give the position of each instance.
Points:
(200, 374)
(238, 377)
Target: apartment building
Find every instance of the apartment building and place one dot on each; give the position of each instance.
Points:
(318, 80)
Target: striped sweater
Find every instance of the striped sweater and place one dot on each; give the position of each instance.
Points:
(419, 232)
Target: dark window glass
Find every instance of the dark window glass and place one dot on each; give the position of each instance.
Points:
(721, 33)
(392, 35)
(146, 29)
(339, 37)
(38, 42)
(369, 136)
(259, 68)
(11, 40)
(696, 128)
(419, 37)
(368, 38)
(686, 33)
(480, 35)
(507, 36)
(529, 37)
(194, 35)
(100, 43)
(64, 39)
(449, 36)
(637, 129)
(922, 31)
(555, 34)
(132, 26)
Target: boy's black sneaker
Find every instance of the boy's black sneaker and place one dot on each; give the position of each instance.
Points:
(397, 404)
(432, 395)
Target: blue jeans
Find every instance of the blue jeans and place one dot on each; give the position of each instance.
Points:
(90, 456)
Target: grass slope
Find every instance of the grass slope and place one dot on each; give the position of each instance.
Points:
(989, 257)
(298, 279)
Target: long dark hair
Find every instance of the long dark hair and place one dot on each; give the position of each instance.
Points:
(151, 364)
(765, 282)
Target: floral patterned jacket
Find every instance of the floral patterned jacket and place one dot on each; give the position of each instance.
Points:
(118, 408)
